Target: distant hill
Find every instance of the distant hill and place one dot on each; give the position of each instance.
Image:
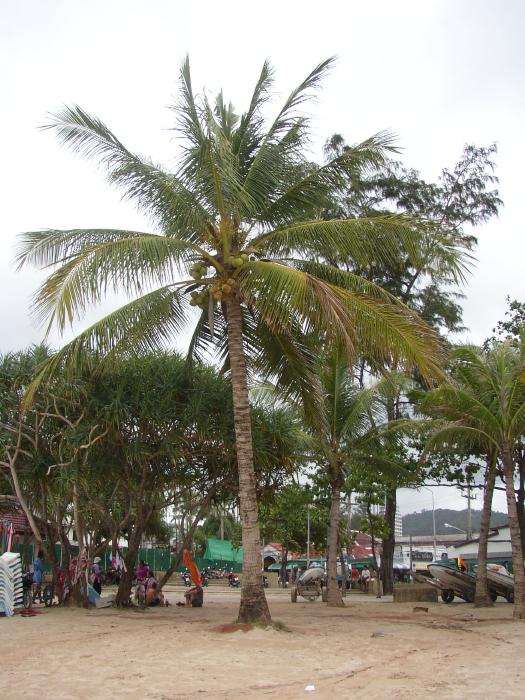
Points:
(421, 523)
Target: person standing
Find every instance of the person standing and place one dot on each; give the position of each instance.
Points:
(365, 578)
(96, 575)
(38, 575)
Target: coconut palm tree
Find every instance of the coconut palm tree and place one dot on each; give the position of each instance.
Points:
(345, 426)
(484, 407)
(238, 236)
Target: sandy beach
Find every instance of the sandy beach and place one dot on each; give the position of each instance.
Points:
(383, 649)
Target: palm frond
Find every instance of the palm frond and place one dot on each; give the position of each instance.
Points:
(288, 121)
(121, 263)
(144, 325)
(161, 195)
(248, 134)
(313, 191)
(363, 241)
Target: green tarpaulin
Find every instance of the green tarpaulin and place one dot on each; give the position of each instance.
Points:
(222, 551)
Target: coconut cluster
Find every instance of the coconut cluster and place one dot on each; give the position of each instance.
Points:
(237, 261)
(222, 287)
(198, 270)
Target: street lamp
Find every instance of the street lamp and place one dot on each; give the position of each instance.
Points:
(457, 528)
(433, 518)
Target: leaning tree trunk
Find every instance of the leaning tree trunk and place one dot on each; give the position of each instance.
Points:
(482, 598)
(334, 598)
(389, 542)
(254, 607)
(186, 542)
(123, 596)
(515, 535)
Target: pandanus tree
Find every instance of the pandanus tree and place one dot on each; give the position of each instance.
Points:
(238, 236)
(484, 407)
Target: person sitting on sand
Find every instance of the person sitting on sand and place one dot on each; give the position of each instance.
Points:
(154, 596)
(194, 597)
(142, 571)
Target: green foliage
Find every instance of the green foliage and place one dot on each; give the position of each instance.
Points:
(284, 519)
(464, 195)
(514, 324)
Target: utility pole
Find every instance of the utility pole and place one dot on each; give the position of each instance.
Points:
(469, 498)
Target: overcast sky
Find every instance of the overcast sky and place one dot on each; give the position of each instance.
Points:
(438, 73)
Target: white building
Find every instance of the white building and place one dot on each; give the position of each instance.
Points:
(498, 546)
(398, 526)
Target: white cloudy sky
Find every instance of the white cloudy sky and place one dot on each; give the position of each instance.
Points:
(439, 73)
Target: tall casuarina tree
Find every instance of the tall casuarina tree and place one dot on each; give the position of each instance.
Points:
(237, 234)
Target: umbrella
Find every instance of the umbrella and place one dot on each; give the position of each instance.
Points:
(192, 567)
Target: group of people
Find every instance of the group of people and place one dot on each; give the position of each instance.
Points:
(147, 586)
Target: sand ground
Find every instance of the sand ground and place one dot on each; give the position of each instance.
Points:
(374, 649)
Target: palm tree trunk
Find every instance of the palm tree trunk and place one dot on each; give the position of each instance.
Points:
(389, 542)
(520, 497)
(515, 535)
(335, 598)
(254, 607)
(482, 598)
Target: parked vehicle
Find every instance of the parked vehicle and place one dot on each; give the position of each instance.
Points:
(233, 580)
(310, 585)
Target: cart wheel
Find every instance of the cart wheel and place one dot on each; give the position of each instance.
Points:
(493, 595)
(510, 597)
(48, 596)
(28, 599)
(293, 594)
(324, 594)
(469, 596)
(447, 596)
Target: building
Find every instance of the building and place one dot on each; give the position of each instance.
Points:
(398, 526)
(498, 547)
(398, 529)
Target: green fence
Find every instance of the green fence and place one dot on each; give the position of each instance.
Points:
(157, 558)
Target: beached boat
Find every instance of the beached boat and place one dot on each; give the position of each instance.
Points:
(452, 582)
(500, 581)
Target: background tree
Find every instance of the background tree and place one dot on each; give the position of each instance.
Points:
(465, 196)
(284, 519)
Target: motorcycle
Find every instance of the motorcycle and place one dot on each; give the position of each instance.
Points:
(204, 580)
(234, 581)
(186, 578)
(265, 582)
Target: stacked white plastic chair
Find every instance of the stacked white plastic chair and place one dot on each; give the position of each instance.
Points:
(11, 586)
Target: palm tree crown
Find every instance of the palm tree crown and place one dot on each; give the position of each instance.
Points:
(240, 215)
